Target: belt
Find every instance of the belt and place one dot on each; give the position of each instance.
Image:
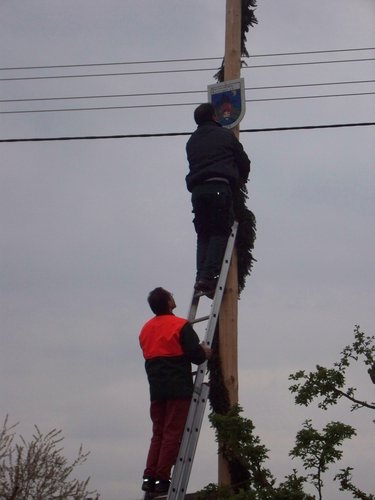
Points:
(219, 179)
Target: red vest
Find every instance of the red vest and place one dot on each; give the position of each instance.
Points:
(160, 336)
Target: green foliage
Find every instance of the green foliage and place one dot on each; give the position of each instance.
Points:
(318, 450)
(246, 235)
(238, 444)
(247, 222)
(248, 19)
(330, 383)
(345, 478)
(36, 469)
(240, 447)
(323, 382)
(291, 489)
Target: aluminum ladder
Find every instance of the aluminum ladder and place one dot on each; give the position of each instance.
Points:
(184, 462)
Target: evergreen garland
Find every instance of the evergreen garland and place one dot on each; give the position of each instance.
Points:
(246, 235)
(220, 405)
(246, 219)
(247, 19)
(247, 223)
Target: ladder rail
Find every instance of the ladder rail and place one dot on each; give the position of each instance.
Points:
(188, 446)
(184, 462)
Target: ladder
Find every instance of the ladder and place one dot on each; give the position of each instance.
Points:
(184, 462)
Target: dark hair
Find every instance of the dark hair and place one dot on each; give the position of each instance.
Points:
(158, 301)
(204, 113)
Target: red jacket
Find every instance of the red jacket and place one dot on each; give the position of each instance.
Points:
(169, 346)
(160, 336)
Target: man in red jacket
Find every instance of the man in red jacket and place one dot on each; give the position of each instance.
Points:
(169, 346)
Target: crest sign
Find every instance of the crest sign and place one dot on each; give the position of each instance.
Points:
(228, 99)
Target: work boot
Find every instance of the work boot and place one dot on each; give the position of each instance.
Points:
(148, 484)
(161, 486)
(206, 285)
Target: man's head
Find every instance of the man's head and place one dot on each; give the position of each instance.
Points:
(204, 113)
(161, 301)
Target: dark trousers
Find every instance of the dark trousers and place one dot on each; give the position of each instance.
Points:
(213, 218)
(168, 423)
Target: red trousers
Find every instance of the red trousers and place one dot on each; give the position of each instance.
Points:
(168, 423)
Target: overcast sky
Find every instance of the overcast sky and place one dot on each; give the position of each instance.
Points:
(89, 227)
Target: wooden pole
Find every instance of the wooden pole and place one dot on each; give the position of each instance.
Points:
(228, 311)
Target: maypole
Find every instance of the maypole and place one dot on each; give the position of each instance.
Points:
(229, 310)
(239, 16)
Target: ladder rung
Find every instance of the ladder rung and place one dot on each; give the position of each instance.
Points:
(198, 320)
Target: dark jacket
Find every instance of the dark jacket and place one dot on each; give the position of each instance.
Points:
(170, 345)
(214, 151)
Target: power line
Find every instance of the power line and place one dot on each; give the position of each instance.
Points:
(309, 97)
(160, 61)
(158, 72)
(175, 134)
(308, 52)
(138, 106)
(149, 94)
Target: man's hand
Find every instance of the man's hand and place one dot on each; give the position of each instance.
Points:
(207, 350)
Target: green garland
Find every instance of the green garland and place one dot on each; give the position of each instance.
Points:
(247, 223)
(247, 19)
(246, 235)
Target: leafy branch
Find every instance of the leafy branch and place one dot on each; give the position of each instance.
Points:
(330, 383)
(345, 478)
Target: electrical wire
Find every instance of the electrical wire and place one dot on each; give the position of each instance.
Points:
(138, 106)
(276, 54)
(158, 72)
(182, 92)
(176, 134)
(310, 97)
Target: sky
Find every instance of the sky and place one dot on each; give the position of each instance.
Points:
(89, 227)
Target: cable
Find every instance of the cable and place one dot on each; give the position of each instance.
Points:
(132, 73)
(121, 63)
(137, 106)
(309, 97)
(179, 60)
(175, 134)
(144, 94)
(148, 94)
(305, 52)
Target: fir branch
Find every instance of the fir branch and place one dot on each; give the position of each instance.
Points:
(248, 20)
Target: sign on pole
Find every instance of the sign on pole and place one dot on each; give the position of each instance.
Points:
(228, 99)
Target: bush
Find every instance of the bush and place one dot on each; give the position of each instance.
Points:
(36, 469)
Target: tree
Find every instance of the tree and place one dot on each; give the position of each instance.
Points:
(318, 450)
(36, 469)
(329, 385)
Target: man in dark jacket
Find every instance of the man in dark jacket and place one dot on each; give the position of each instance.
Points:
(217, 165)
(169, 346)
